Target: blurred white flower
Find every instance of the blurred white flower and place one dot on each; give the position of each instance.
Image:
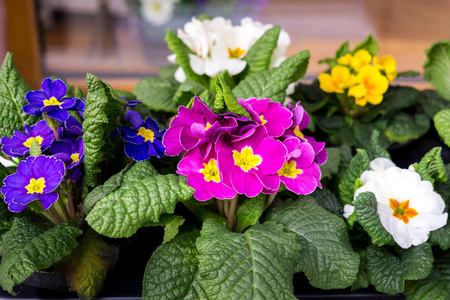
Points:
(348, 210)
(408, 207)
(157, 12)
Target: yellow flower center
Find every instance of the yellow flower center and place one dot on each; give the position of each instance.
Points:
(210, 171)
(36, 186)
(298, 132)
(147, 134)
(263, 121)
(402, 211)
(246, 159)
(30, 140)
(157, 7)
(236, 53)
(51, 101)
(208, 126)
(289, 170)
(75, 157)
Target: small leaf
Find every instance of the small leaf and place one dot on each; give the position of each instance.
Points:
(172, 228)
(369, 44)
(327, 258)
(89, 264)
(35, 149)
(343, 49)
(331, 166)
(257, 264)
(442, 124)
(250, 211)
(375, 149)
(157, 93)
(259, 55)
(437, 67)
(358, 164)
(416, 262)
(431, 167)
(225, 95)
(186, 91)
(367, 215)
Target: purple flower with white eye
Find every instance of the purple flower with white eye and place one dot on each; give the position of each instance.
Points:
(70, 151)
(300, 174)
(51, 101)
(144, 140)
(272, 115)
(36, 179)
(19, 144)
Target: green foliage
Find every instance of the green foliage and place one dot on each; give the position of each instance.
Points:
(12, 91)
(369, 44)
(408, 74)
(343, 49)
(224, 95)
(362, 281)
(128, 95)
(437, 67)
(35, 149)
(172, 271)
(186, 91)
(259, 55)
(358, 164)
(103, 109)
(157, 93)
(250, 211)
(375, 149)
(431, 103)
(404, 127)
(257, 264)
(441, 237)
(167, 72)
(327, 257)
(331, 166)
(88, 265)
(172, 228)
(431, 167)
(399, 97)
(417, 262)
(367, 215)
(28, 247)
(442, 124)
(142, 197)
(328, 200)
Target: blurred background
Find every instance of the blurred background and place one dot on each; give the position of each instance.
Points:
(122, 41)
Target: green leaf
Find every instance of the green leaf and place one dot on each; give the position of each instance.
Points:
(186, 91)
(369, 44)
(362, 281)
(225, 95)
(182, 51)
(384, 270)
(35, 149)
(12, 91)
(252, 86)
(416, 262)
(128, 95)
(375, 149)
(437, 67)
(257, 264)
(208, 98)
(442, 124)
(167, 72)
(157, 93)
(172, 271)
(103, 109)
(399, 98)
(328, 200)
(343, 49)
(441, 237)
(432, 103)
(367, 215)
(172, 228)
(408, 74)
(431, 167)
(358, 165)
(28, 247)
(331, 166)
(142, 197)
(331, 62)
(259, 55)
(404, 127)
(89, 264)
(327, 258)
(436, 285)
(250, 211)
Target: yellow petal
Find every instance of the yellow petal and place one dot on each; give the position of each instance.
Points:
(345, 60)
(374, 99)
(357, 91)
(326, 83)
(340, 74)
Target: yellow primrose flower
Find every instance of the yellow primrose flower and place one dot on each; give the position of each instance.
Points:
(372, 85)
(357, 61)
(339, 79)
(387, 64)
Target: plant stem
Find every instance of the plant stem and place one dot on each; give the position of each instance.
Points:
(55, 217)
(220, 204)
(53, 124)
(60, 209)
(70, 207)
(231, 216)
(269, 200)
(45, 214)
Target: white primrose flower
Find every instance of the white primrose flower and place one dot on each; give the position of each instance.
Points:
(408, 207)
(348, 210)
(157, 12)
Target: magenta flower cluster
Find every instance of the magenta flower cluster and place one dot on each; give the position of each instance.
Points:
(226, 154)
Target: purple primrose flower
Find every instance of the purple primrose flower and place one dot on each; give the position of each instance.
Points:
(144, 140)
(36, 179)
(19, 144)
(300, 120)
(69, 150)
(51, 101)
(70, 128)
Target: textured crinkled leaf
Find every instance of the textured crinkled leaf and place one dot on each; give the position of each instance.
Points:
(331, 166)
(12, 91)
(257, 264)
(437, 67)
(225, 95)
(431, 166)
(157, 93)
(28, 247)
(431, 103)
(404, 127)
(125, 94)
(110, 185)
(416, 261)
(399, 97)
(182, 51)
(172, 271)
(375, 149)
(328, 200)
(250, 211)
(384, 270)
(141, 198)
(369, 44)
(207, 97)
(172, 228)
(327, 258)
(330, 124)
(186, 91)
(362, 281)
(367, 215)
(359, 163)
(35, 148)
(259, 55)
(89, 264)
(441, 237)
(252, 85)
(442, 124)
(101, 117)
(436, 285)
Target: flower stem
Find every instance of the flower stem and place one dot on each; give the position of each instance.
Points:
(53, 124)
(54, 216)
(70, 207)
(220, 204)
(269, 200)
(60, 209)
(231, 215)
(47, 215)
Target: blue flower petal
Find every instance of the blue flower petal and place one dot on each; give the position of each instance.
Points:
(137, 152)
(130, 136)
(48, 199)
(46, 86)
(56, 88)
(78, 106)
(48, 108)
(32, 110)
(15, 207)
(59, 115)
(159, 148)
(134, 119)
(36, 97)
(68, 103)
(152, 125)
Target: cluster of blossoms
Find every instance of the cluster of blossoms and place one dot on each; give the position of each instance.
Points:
(219, 46)
(356, 77)
(59, 136)
(408, 207)
(227, 154)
